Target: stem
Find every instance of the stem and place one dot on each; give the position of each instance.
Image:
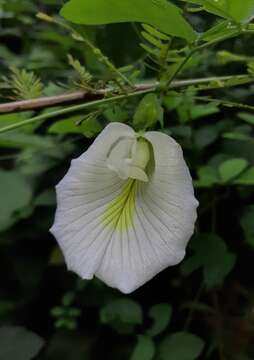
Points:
(179, 68)
(201, 47)
(70, 109)
(225, 103)
(223, 38)
(105, 60)
(42, 102)
(48, 101)
(97, 52)
(164, 58)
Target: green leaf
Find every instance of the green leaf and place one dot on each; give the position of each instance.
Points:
(17, 343)
(155, 33)
(249, 118)
(226, 57)
(207, 176)
(148, 113)
(20, 139)
(144, 349)
(222, 29)
(161, 14)
(90, 127)
(214, 6)
(24, 85)
(181, 346)
(15, 195)
(187, 108)
(161, 315)
(116, 113)
(183, 131)
(247, 178)
(232, 168)
(33, 161)
(12, 118)
(122, 314)
(210, 252)
(58, 311)
(200, 111)
(46, 198)
(84, 76)
(66, 126)
(247, 223)
(205, 136)
(172, 100)
(241, 12)
(68, 298)
(238, 136)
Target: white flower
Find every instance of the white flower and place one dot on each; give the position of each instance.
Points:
(126, 208)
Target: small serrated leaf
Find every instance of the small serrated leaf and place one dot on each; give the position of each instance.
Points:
(155, 33)
(152, 40)
(85, 77)
(24, 84)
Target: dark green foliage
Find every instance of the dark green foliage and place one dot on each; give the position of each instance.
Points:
(12, 182)
(211, 254)
(161, 315)
(123, 315)
(180, 346)
(19, 343)
(144, 350)
(247, 224)
(148, 113)
(202, 309)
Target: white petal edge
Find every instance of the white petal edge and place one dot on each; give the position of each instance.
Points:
(163, 223)
(82, 197)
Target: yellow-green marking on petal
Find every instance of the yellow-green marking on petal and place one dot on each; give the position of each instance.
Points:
(120, 212)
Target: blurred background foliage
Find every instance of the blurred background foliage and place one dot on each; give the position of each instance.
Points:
(202, 309)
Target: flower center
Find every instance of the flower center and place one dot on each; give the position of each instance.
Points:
(129, 158)
(120, 212)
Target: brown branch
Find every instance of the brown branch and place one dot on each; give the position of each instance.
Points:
(49, 101)
(42, 102)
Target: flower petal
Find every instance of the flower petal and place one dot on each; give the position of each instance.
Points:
(164, 217)
(83, 196)
(125, 231)
(120, 155)
(170, 194)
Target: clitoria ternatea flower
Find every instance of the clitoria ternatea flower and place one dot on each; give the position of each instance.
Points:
(126, 208)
